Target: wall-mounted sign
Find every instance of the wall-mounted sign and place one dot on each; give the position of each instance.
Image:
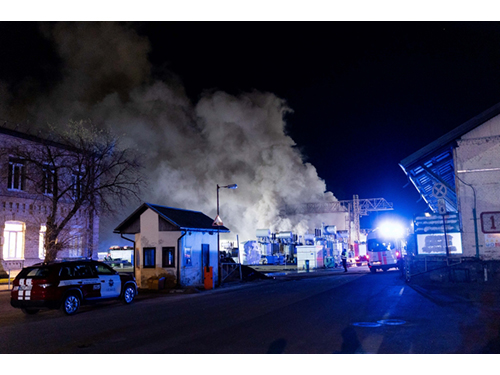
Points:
(435, 223)
(490, 222)
(438, 234)
(438, 243)
(491, 240)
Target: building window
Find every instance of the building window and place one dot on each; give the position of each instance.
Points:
(76, 183)
(149, 257)
(13, 246)
(168, 257)
(76, 242)
(48, 180)
(17, 174)
(41, 241)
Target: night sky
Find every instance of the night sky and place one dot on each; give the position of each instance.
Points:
(364, 95)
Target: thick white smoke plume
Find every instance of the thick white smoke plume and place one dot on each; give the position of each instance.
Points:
(189, 147)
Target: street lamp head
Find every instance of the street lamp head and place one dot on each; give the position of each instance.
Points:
(233, 186)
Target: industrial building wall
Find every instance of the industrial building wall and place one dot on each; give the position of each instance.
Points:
(477, 169)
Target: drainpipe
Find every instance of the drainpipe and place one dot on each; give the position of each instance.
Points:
(473, 214)
(179, 259)
(128, 239)
(475, 226)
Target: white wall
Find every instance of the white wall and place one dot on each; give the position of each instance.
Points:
(477, 163)
(190, 273)
(312, 253)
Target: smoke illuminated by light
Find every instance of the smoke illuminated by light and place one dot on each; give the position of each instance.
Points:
(189, 148)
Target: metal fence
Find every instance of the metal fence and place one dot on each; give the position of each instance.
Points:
(449, 269)
(230, 271)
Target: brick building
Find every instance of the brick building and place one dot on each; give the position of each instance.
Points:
(24, 206)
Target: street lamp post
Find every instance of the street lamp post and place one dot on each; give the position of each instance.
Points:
(218, 222)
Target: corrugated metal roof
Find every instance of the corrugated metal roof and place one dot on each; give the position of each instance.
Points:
(182, 219)
(433, 164)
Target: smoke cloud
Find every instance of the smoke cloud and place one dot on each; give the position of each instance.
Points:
(188, 147)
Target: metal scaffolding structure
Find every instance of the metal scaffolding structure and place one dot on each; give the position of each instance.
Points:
(355, 208)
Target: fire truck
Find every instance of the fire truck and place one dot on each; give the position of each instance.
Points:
(384, 247)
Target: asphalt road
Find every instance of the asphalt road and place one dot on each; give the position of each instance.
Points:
(353, 312)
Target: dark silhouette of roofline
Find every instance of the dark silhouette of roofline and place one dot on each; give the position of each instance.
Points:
(34, 138)
(182, 226)
(451, 136)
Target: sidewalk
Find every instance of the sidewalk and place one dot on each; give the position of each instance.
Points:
(456, 292)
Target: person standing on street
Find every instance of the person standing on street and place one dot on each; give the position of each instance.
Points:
(343, 256)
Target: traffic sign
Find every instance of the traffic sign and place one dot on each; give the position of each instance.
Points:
(442, 206)
(217, 222)
(439, 190)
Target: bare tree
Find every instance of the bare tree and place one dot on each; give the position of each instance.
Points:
(80, 168)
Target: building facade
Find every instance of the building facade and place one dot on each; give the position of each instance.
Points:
(173, 244)
(477, 158)
(458, 175)
(24, 207)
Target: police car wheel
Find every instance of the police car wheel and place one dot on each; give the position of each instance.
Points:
(129, 294)
(30, 311)
(71, 304)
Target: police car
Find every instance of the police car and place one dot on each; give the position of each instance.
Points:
(68, 284)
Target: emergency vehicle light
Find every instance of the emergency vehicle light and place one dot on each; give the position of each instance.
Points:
(392, 230)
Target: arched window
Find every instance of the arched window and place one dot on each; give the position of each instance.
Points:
(13, 245)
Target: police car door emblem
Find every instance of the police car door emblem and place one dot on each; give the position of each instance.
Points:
(111, 282)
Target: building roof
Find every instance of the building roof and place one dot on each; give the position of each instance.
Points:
(34, 138)
(180, 218)
(434, 164)
(451, 136)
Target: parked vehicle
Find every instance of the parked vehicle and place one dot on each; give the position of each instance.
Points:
(68, 284)
(384, 249)
(361, 260)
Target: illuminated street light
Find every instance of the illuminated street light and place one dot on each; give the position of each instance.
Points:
(218, 223)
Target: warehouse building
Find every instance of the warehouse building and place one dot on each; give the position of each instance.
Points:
(458, 175)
